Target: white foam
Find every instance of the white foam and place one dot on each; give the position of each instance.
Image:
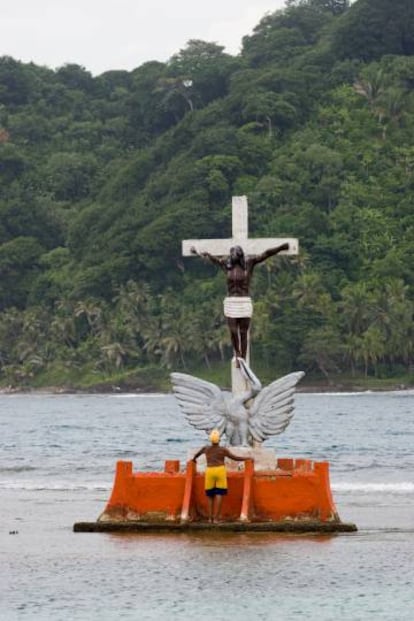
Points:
(403, 487)
(32, 486)
(405, 392)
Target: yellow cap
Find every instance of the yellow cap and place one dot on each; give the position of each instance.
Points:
(215, 436)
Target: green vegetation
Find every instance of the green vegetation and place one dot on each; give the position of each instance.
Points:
(102, 177)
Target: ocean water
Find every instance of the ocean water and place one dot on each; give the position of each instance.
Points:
(57, 461)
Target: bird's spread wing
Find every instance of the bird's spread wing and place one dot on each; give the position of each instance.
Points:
(272, 409)
(201, 402)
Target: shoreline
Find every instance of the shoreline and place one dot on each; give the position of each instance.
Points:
(111, 390)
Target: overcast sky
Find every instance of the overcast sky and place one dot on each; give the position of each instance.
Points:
(121, 34)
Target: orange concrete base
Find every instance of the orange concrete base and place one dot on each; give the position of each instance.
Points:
(297, 489)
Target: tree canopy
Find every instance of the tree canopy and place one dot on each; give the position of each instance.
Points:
(102, 177)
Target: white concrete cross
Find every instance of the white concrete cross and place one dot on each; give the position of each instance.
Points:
(221, 247)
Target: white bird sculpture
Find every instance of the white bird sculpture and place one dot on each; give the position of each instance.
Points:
(242, 420)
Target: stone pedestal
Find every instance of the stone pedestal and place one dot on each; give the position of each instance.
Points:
(264, 458)
(297, 490)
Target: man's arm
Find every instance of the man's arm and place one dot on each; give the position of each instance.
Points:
(208, 256)
(259, 258)
(200, 452)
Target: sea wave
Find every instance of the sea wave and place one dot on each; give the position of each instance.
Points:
(403, 487)
(62, 486)
(16, 469)
(310, 395)
(404, 392)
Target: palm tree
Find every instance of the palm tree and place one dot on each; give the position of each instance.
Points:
(384, 100)
(373, 347)
(323, 347)
(308, 291)
(353, 349)
(92, 311)
(151, 334)
(63, 325)
(115, 354)
(356, 307)
(395, 319)
(371, 85)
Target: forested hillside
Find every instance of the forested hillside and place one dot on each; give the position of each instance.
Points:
(102, 177)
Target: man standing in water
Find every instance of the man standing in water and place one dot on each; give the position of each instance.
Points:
(215, 482)
(238, 308)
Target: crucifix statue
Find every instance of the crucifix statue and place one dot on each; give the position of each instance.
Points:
(237, 256)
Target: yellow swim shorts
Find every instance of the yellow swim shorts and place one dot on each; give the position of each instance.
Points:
(215, 481)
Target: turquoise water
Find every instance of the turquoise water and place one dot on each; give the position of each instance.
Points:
(57, 459)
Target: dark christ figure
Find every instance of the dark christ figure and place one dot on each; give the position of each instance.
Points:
(238, 307)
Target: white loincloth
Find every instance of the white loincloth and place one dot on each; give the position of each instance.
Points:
(238, 307)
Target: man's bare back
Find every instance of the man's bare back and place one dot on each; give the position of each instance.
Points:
(215, 455)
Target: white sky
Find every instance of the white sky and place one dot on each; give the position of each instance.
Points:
(102, 35)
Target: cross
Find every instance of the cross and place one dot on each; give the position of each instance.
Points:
(221, 247)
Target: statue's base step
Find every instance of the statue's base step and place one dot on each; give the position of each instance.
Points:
(285, 526)
(294, 490)
(264, 458)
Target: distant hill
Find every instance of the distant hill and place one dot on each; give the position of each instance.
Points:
(101, 178)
